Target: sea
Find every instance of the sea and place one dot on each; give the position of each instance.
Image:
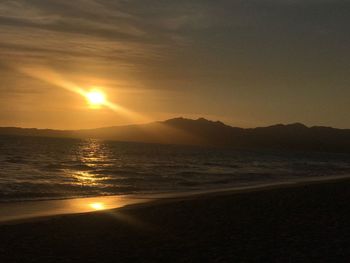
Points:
(38, 168)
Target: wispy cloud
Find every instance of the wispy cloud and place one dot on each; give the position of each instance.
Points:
(69, 29)
(200, 48)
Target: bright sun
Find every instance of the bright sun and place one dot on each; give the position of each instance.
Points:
(96, 97)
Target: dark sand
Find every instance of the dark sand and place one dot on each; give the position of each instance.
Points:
(301, 223)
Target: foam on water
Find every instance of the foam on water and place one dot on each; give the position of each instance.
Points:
(50, 168)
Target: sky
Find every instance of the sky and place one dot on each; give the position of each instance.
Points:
(248, 63)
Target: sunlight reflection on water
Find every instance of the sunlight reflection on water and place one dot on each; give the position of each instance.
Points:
(52, 168)
(92, 154)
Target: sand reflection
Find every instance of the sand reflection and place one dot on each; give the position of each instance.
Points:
(24, 210)
(97, 206)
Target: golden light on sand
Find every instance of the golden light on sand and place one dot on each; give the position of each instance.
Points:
(97, 206)
(96, 98)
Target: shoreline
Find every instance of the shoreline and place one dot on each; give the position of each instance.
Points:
(30, 211)
(301, 222)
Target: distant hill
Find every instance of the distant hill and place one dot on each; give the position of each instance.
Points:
(210, 133)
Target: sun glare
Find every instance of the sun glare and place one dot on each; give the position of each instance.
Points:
(97, 206)
(96, 98)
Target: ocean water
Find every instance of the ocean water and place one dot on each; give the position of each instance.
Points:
(33, 168)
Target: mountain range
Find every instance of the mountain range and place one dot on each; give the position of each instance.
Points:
(210, 133)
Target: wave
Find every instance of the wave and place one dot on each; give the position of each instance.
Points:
(69, 168)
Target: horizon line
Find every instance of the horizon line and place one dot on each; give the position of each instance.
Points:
(175, 118)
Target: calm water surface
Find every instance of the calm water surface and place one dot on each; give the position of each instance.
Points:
(47, 168)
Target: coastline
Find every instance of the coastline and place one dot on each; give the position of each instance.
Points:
(304, 222)
(27, 211)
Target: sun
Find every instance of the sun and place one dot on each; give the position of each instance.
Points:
(96, 98)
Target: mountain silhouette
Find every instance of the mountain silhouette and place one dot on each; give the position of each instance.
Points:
(204, 132)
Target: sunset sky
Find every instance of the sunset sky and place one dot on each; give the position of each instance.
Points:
(248, 63)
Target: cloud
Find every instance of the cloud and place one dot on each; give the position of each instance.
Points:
(195, 48)
(171, 39)
(121, 30)
(101, 37)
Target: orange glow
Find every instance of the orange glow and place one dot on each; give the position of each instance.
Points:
(97, 206)
(96, 98)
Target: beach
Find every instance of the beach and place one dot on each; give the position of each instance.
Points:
(174, 131)
(306, 222)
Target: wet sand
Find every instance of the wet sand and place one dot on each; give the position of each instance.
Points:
(294, 223)
(14, 212)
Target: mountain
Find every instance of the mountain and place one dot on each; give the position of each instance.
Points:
(210, 133)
